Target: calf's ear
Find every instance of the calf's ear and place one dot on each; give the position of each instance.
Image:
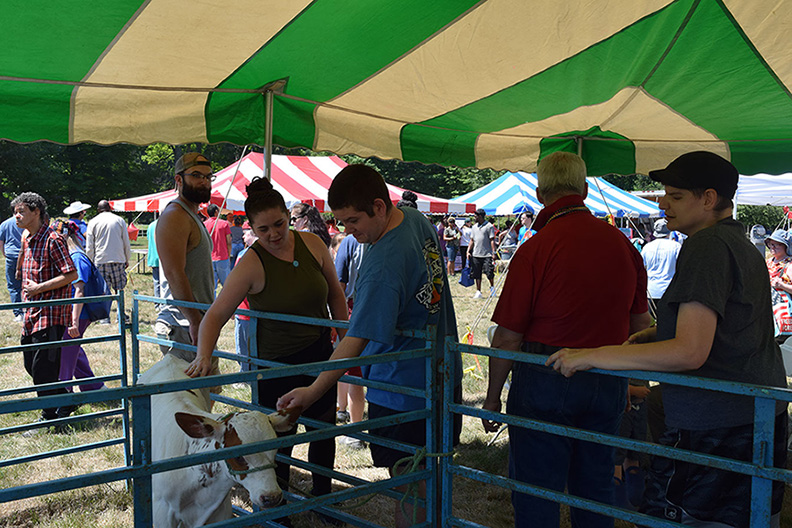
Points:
(282, 421)
(197, 426)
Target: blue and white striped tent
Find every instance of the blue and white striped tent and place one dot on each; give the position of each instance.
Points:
(514, 190)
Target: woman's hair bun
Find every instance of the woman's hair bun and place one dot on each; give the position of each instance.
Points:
(258, 185)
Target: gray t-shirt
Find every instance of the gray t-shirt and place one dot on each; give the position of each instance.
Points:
(198, 268)
(481, 237)
(719, 268)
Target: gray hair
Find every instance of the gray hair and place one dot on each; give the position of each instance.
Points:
(560, 174)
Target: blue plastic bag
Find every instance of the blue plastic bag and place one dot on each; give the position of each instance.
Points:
(464, 277)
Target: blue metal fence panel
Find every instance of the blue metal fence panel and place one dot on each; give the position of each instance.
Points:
(760, 468)
(438, 415)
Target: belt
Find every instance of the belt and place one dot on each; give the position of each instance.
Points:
(539, 348)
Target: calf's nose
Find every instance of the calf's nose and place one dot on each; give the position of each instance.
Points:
(271, 500)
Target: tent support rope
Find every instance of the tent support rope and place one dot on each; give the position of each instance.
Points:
(231, 185)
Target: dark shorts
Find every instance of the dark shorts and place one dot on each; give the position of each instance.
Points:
(408, 433)
(705, 493)
(479, 265)
(270, 390)
(320, 452)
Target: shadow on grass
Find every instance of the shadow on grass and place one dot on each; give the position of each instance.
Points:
(73, 508)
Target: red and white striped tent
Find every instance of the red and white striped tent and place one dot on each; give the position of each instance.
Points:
(297, 178)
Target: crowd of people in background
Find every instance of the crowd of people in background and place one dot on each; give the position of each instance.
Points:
(716, 312)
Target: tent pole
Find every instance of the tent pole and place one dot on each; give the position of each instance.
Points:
(579, 143)
(269, 99)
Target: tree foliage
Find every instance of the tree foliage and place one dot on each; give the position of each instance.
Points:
(771, 217)
(87, 172)
(633, 182)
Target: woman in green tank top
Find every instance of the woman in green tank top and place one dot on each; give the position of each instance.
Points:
(286, 272)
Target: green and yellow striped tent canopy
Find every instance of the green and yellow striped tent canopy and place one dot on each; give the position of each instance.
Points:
(630, 84)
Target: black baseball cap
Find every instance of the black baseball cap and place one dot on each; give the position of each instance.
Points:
(700, 170)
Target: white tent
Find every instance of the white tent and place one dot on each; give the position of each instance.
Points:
(764, 189)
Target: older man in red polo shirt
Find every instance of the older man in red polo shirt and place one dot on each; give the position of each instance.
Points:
(578, 280)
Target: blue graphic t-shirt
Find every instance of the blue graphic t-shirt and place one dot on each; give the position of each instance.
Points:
(402, 284)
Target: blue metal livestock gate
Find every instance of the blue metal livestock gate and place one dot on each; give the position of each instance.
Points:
(440, 468)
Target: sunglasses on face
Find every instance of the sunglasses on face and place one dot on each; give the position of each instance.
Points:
(295, 218)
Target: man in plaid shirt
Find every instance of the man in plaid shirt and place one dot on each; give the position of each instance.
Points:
(47, 273)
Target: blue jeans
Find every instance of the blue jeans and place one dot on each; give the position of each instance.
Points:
(14, 285)
(452, 252)
(587, 401)
(236, 249)
(221, 270)
(242, 330)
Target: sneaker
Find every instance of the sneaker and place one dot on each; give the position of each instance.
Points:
(477, 295)
(352, 443)
(19, 318)
(342, 417)
(105, 321)
(38, 430)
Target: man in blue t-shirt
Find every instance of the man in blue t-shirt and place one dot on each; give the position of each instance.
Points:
(401, 285)
(10, 243)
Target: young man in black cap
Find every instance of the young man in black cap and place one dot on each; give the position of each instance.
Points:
(714, 321)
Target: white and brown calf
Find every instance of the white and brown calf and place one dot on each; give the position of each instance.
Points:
(182, 424)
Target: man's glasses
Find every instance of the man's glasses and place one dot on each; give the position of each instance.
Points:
(211, 176)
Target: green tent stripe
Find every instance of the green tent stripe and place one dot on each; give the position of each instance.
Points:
(325, 70)
(48, 102)
(58, 41)
(771, 157)
(679, 30)
(443, 146)
(711, 48)
(603, 156)
(240, 122)
(294, 125)
(751, 46)
(603, 69)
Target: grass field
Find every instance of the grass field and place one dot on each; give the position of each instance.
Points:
(111, 505)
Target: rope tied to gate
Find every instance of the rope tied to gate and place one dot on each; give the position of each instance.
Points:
(411, 465)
